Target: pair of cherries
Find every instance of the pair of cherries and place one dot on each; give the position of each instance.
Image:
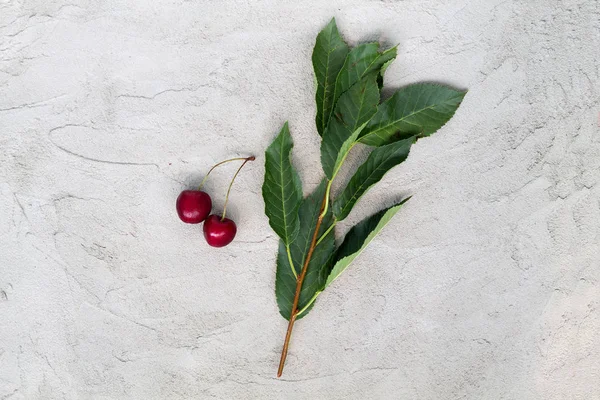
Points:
(194, 206)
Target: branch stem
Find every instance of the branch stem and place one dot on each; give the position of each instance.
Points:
(299, 282)
(314, 242)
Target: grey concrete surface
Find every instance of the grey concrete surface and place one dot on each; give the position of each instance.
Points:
(486, 286)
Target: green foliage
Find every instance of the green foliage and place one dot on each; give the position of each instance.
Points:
(328, 58)
(362, 60)
(380, 161)
(353, 110)
(358, 238)
(285, 282)
(419, 109)
(348, 113)
(282, 189)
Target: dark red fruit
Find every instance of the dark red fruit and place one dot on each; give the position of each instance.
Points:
(217, 232)
(193, 206)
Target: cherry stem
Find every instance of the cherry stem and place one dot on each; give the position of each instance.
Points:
(217, 164)
(251, 158)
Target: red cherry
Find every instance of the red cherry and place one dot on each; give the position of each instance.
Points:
(193, 206)
(217, 232)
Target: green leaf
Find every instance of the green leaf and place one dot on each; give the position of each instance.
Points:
(379, 162)
(384, 67)
(358, 239)
(362, 60)
(419, 109)
(328, 58)
(285, 281)
(282, 189)
(353, 110)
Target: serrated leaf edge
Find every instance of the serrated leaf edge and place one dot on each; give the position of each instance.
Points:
(393, 210)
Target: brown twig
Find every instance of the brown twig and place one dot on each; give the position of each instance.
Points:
(299, 282)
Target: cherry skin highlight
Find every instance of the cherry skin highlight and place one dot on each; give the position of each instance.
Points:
(193, 206)
(219, 233)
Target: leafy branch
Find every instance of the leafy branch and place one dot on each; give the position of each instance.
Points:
(349, 113)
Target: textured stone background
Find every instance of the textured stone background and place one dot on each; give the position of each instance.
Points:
(486, 286)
